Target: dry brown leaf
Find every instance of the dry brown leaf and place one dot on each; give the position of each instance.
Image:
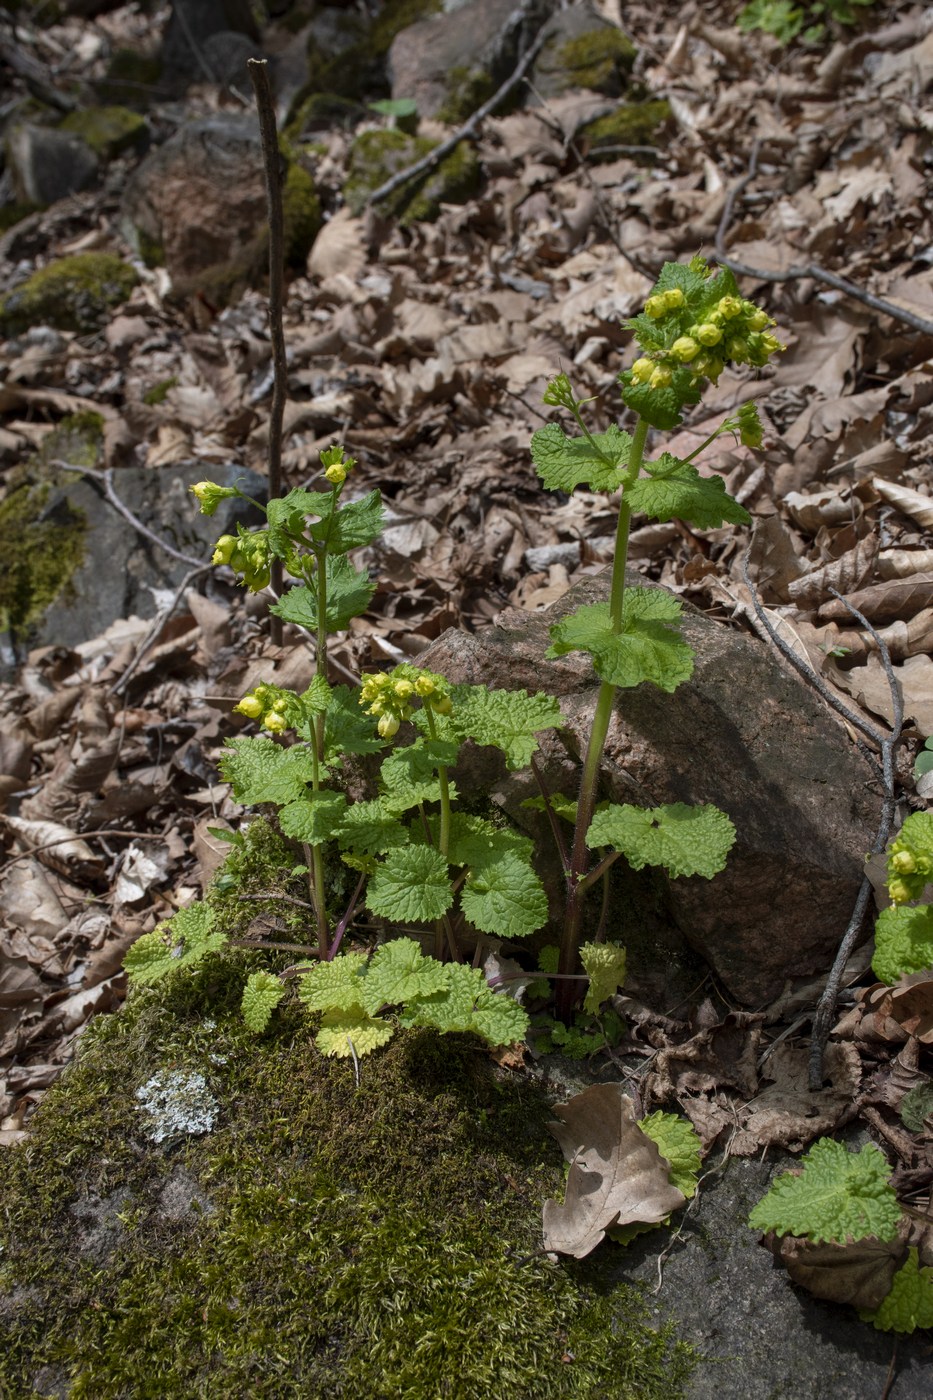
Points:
(64, 846)
(908, 501)
(829, 507)
(858, 1273)
(773, 561)
(845, 573)
(912, 1006)
(617, 1175)
(901, 563)
(884, 602)
(868, 685)
(787, 1113)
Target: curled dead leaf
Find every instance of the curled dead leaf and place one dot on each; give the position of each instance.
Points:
(858, 1272)
(617, 1175)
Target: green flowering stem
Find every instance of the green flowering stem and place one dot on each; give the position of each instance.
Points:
(443, 930)
(578, 879)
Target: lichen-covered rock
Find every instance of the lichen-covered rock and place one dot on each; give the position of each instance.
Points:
(631, 124)
(48, 164)
(583, 51)
(743, 733)
(73, 294)
(108, 131)
(197, 205)
(375, 156)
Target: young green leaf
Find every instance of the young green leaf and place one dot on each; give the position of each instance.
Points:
(564, 463)
(349, 593)
(685, 840)
(677, 1140)
(318, 696)
(509, 720)
(661, 406)
(840, 1195)
(351, 526)
(411, 884)
(346, 728)
(398, 971)
(287, 516)
(649, 647)
(909, 1305)
(368, 829)
(183, 941)
(313, 818)
(604, 964)
(675, 490)
(903, 941)
(503, 895)
(334, 986)
(467, 1003)
(261, 996)
(409, 777)
(260, 770)
(475, 841)
(343, 1033)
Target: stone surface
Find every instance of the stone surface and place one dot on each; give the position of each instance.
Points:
(448, 61)
(744, 733)
(192, 25)
(198, 203)
(123, 573)
(600, 55)
(49, 165)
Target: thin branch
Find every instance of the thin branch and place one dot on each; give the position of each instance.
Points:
(467, 132)
(82, 836)
(107, 478)
(161, 617)
(259, 76)
(803, 270)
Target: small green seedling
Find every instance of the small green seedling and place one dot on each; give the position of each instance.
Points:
(904, 932)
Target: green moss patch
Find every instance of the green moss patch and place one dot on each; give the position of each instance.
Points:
(301, 211)
(631, 124)
(375, 156)
(600, 59)
(325, 1238)
(109, 131)
(132, 78)
(74, 294)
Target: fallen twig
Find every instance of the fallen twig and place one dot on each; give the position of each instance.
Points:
(107, 478)
(161, 617)
(467, 132)
(259, 76)
(802, 270)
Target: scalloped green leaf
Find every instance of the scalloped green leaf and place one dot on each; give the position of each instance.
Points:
(839, 1195)
(467, 1003)
(662, 408)
(346, 728)
(261, 996)
(314, 818)
(909, 1305)
(411, 884)
(604, 964)
(334, 986)
(903, 941)
(649, 647)
(686, 840)
(287, 515)
(678, 1142)
(350, 526)
(509, 720)
(260, 770)
(475, 841)
(498, 1018)
(316, 698)
(564, 463)
(368, 829)
(408, 777)
(504, 896)
(343, 1033)
(349, 593)
(675, 490)
(180, 942)
(399, 970)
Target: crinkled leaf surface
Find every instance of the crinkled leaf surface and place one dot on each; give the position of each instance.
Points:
(686, 840)
(261, 996)
(346, 728)
(677, 1141)
(909, 1304)
(349, 593)
(503, 895)
(336, 985)
(604, 964)
(564, 463)
(903, 941)
(313, 818)
(180, 942)
(260, 770)
(675, 490)
(649, 647)
(352, 525)
(409, 777)
(508, 719)
(399, 970)
(839, 1195)
(368, 829)
(617, 1175)
(475, 841)
(411, 884)
(288, 515)
(344, 1032)
(467, 1003)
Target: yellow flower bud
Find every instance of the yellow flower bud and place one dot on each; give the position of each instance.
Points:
(387, 726)
(707, 334)
(660, 378)
(729, 307)
(673, 299)
(249, 706)
(443, 705)
(758, 320)
(223, 550)
(642, 370)
(685, 349)
(336, 475)
(899, 892)
(275, 722)
(403, 689)
(424, 686)
(904, 863)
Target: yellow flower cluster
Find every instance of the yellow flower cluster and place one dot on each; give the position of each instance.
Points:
(270, 705)
(733, 330)
(391, 696)
(248, 555)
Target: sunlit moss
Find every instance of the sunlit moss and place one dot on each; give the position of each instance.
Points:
(73, 293)
(377, 155)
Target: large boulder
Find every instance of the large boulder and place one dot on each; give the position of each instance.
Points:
(744, 733)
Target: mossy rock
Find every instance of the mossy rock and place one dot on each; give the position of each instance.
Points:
(74, 294)
(301, 213)
(311, 1236)
(376, 156)
(347, 56)
(467, 89)
(631, 124)
(108, 131)
(42, 535)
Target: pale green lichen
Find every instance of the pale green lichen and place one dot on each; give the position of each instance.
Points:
(377, 155)
(160, 392)
(631, 124)
(333, 1239)
(108, 131)
(73, 293)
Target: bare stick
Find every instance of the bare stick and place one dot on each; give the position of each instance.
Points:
(467, 132)
(159, 622)
(259, 77)
(124, 510)
(802, 270)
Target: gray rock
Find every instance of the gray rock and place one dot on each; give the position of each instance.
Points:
(743, 733)
(123, 573)
(602, 55)
(49, 165)
(192, 24)
(226, 54)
